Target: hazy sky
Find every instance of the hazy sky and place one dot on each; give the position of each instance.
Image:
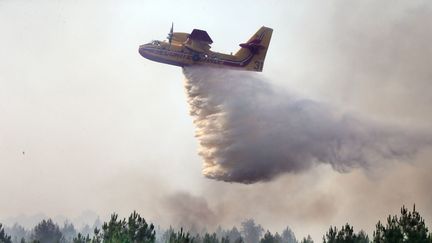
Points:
(87, 124)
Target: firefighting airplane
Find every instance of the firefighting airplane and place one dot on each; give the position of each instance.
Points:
(183, 49)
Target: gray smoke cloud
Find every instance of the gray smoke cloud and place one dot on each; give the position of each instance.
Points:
(249, 131)
(190, 212)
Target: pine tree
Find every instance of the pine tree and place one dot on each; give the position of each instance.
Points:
(210, 238)
(81, 239)
(251, 231)
(278, 238)
(345, 235)
(47, 232)
(135, 230)
(408, 228)
(307, 240)
(330, 236)
(268, 238)
(4, 238)
(181, 237)
(288, 236)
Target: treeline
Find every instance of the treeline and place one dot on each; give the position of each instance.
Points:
(408, 227)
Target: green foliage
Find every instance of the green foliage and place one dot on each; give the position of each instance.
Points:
(251, 231)
(97, 238)
(47, 232)
(269, 238)
(288, 236)
(362, 237)
(134, 230)
(68, 231)
(278, 238)
(4, 238)
(239, 240)
(180, 237)
(81, 239)
(409, 227)
(307, 239)
(210, 238)
(234, 236)
(18, 233)
(225, 239)
(330, 236)
(345, 235)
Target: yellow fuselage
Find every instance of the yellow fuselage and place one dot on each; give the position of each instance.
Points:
(179, 54)
(184, 49)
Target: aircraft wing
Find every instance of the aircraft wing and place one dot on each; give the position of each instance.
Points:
(180, 37)
(200, 36)
(199, 41)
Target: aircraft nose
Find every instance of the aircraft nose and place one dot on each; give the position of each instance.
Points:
(142, 50)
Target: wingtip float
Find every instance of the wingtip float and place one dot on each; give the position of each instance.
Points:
(184, 49)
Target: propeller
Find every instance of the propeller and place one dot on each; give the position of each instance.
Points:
(170, 34)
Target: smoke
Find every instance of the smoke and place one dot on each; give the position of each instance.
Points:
(249, 131)
(190, 212)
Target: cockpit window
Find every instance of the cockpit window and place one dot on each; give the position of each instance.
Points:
(156, 43)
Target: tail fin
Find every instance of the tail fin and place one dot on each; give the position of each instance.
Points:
(257, 46)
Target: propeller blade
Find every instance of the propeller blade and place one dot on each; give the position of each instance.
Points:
(170, 34)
